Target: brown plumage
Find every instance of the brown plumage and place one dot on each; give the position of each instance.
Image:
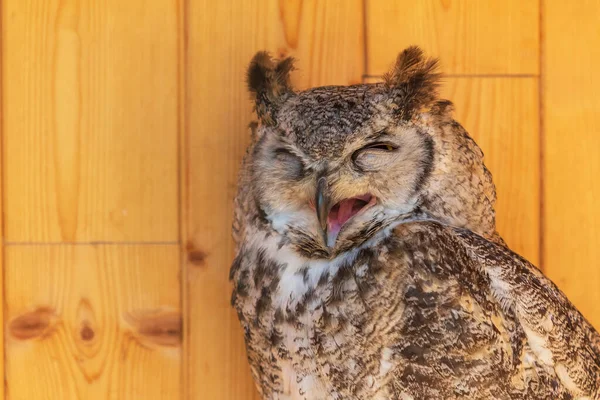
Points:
(368, 265)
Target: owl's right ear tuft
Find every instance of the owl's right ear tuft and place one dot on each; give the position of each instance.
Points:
(269, 83)
(413, 81)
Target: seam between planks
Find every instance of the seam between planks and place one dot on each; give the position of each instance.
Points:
(183, 59)
(92, 243)
(541, 137)
(367, 76)
(365, 41)
(4, 393)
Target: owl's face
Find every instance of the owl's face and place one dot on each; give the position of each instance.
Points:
(329, 185)
(333, 166)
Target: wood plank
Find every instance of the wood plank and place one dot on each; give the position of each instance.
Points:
(470, 37)
(501, 114)
(90, 130)
(571, 121)
(326, 37)
(93, 322)
(2, 300)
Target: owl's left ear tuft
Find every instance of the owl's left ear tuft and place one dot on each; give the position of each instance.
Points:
(269, 83)
(413, 81)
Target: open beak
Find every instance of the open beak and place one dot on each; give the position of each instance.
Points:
(332, 217)
(322, 204)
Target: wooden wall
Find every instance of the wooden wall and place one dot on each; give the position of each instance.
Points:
(123, 123)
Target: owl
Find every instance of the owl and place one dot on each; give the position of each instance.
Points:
(368, 263)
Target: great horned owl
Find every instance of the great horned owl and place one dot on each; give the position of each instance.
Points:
(368, 265)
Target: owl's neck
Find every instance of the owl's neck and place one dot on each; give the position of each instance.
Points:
(266, 253)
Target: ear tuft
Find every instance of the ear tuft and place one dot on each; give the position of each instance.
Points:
(269, 83)
(414, 81)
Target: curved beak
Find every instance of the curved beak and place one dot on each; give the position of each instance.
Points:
(322, 204)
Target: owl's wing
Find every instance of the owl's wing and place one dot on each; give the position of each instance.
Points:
(559, 336)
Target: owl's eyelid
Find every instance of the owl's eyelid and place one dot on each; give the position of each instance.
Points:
(382, 148)
(382, 145)
(283, 150)
(287, 151)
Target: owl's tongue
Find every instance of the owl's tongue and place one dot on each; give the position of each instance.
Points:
(343, 211)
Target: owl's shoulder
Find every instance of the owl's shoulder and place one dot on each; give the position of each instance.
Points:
(560, 342)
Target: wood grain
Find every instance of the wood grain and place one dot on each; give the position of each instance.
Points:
(571, 124)
(502, 115)
(93, 322)
(2, 299)
(326, 37)
(90, 120)
(96, 95)
(470, 37)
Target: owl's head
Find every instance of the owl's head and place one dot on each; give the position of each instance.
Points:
(333, 166)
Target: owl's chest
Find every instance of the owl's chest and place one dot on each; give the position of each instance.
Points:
(365, 325)
(318, 327)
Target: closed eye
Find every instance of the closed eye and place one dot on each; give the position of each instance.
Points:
(373, 156)
(291, 166)
(380, 146)
(283, 152)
